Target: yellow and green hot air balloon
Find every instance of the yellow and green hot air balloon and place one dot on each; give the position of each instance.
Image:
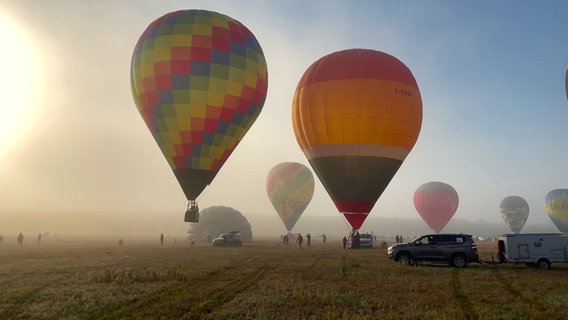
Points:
(199, 80)
(356, 114)
(290, 187)
(556, 206)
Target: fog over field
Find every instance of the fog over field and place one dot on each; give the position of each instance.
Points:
(78, 159)
(76, 224)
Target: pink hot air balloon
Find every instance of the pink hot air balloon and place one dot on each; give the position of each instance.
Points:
(436, 202)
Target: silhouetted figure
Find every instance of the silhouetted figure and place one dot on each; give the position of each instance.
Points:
(309, 237)
(161, 239)
(285, 239)
(1, 239)
(344, 242)
(39, 238)
(120, 242)
(324, 237)
(20, 239)
(300, 240)
(355, 240)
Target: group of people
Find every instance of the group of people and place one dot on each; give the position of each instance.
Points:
(355, 240)
(20, 239)
(300, 239)
(399, 239)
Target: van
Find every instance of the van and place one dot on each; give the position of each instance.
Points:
(534, 249)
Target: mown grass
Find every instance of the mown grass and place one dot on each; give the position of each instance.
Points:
(264, 280)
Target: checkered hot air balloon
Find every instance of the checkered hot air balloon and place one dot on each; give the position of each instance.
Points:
(199, 80)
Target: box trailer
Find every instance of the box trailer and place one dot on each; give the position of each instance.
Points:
(534, 249)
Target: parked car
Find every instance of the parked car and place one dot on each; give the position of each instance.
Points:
(456, 249)
(229, 239)
(366, 240)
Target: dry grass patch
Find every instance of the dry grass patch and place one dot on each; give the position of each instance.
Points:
(264, 280)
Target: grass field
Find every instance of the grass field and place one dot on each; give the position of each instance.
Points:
(263, 280)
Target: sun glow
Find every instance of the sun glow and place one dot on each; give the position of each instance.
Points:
(19, 74)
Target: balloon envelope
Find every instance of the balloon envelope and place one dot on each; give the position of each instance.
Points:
(356, 115)
(515, 211)
(556, 206)
(290, 187)
(199, 80)
(436, 202)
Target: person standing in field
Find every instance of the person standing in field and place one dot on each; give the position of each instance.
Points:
(309, 237)
(161, 239)
(344, 242)
(20, 239)
(300, 239)
(1, 239)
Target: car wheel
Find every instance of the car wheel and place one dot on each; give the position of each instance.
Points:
(459, 261)
(543, 264)
(404, 259)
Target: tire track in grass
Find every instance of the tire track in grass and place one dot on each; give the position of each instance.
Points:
(462, 300)
(532, 301)
(507, 286)
(191, 298)
(231, 290)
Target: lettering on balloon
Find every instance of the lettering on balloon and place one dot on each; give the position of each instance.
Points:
(562, 205)
(403, 92)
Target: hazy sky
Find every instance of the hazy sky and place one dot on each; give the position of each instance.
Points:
(75, 152)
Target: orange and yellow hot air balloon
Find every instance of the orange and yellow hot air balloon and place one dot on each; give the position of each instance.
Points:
(356, 114)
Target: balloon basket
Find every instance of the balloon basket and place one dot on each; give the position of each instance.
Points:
(192, 213)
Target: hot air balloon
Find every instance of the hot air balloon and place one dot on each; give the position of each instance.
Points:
(515, 211)
(199, 80)
(556, 206)
(290, 187)
(436, 202)
(356, 114)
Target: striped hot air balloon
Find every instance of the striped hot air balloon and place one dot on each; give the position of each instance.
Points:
(515, 212)
(556, 206)
(356, 114)
(290, 187)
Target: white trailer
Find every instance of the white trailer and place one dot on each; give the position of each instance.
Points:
(534, 249)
